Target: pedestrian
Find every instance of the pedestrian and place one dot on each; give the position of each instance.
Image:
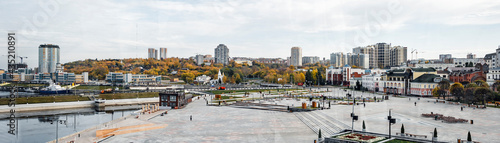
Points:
(415, 103)
(191, 117)
(462, 108)
(364, 104)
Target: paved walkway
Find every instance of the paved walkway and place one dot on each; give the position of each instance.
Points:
(223, 124)
(131, 123)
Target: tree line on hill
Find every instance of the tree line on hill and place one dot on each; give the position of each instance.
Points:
(188, 70)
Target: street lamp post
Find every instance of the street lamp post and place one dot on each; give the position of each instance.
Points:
(391, 121)
(57, 126)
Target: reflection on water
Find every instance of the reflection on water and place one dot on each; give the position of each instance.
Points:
(41, 126)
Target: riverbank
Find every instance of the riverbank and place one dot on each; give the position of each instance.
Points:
(78, 104)
(73, 98)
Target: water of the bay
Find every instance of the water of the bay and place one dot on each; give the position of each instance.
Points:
(36, 127)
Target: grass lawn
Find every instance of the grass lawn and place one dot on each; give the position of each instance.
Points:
(45, 99)
(128, 95)
(96, 87)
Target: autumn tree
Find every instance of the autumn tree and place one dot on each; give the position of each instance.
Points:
(457, 90)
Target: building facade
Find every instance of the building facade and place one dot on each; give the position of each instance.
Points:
(310, 60)
(48, 58)
(398, 56)
(358, 60)
(296, 57)
(382, 55)
(337, 59)
(222, 54)
(152, 53)
(174, 99)
(123, 79)
(424, 84)
(163, 53)
(443, 57)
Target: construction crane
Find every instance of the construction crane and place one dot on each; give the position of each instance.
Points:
(412, 53)
(21, 57)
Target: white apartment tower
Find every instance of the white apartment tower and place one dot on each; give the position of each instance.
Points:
(48, 58)
(163, 53)
(152, 53)
(222, 54)
(296, 57)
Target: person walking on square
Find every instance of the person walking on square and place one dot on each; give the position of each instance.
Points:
(415, 103)
(191, 117)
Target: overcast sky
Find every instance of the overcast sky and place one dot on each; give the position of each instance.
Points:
(257, 28)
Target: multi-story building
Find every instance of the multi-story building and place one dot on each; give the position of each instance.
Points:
(60, 77)
(443, 57)
(493, 75)
(120, 78)
(397, 80)
(152, 53)
(382, 55)
(222, 54)
(334, 76)
(371, 82)
(461, 62)
(358, 60)
(199, 59)
(497, 57)
(273, 60)
(310, 60)
(398, 56)
(368, 50)
(468, 74)
(490, 59)
(471, 56)
(48, 58)
(296, 56)
(437, 66)
(337, 59)
(424, 84)
(163, 53)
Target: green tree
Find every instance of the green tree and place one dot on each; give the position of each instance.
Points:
(457, 90)
(435, 92)
(481, 83)
(444, 87)
(238, 78)
(483, 93)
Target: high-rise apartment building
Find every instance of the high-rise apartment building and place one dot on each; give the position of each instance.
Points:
(222, 54)
(296, 56)
(310, 60)
(358, 60)
(152, 53)
(382, 55)
(48, 58)
(337, 59)
(368, 50)
(163, 53)
(398, 56)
